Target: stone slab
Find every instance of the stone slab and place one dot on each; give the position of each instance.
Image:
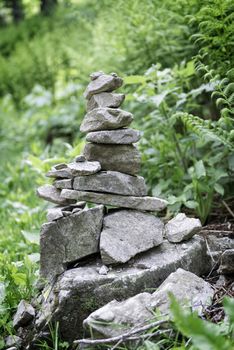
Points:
(116, 200)
(102, 83)
(84, 168)
(64, 183)
(119, 137)
(111, 182)
(80, 291)
(52, 194)
(122, 158)
(117, 317)
(105, 100)
(69, 239)
(105, 119)
(126, 233)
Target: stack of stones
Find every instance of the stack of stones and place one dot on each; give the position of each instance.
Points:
(123, 222)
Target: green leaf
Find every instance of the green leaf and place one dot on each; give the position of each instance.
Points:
(191, 204)
(200, 169)
(134, 79)
(32, 237)
(219, 189)
(228, 304)
(20, 278)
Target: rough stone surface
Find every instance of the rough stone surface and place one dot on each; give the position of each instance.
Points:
(112, 182)
(60, 173)
(52, 194)
(102, 83)
(122, 158)
(103, 270)
(80, 291)
(105, 119)
(218, 244)
(181, 228)
(69, 239)
(64, 183)
(24, 314)
(105, 100)
(84, 168)
(189, 289)
(80, 158)
(227, 262)
(131, 202)
(126, 233)
(54, 214)
(120, 136)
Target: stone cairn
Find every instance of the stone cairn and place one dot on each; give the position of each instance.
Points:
(92, 256)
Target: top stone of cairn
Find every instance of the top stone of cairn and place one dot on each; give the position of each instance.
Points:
(101, 82)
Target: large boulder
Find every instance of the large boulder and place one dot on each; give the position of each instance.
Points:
(119, 137)
(112, 182)
(126, 233)
(115, 318)
(69, 239)
(82, 290)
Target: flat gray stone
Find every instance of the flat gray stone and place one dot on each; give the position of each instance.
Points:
(84, 168)
(102, 83)
(59, 173)
(122, 158)
(24, 315)
(119, 137)
(181, 228)
(52, 194)
(82, 290)
(54, 214)
(105, 100)
(105, 119)
(189, 290)
(131, 202)
(112, 182)
(227, 262)
(68, 240)
(126, 233)
(64, 183)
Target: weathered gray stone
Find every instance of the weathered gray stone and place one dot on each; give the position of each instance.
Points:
(80, 291)
(84, 168)
(80, 158)
(105, 100)
(69, 239)
(13, 340)
(60, 166)
(116, 200)
(103, 270)
(60, 173)
(52, 194)
(120, 136)
(24, 314)
(64, 183)
(126, 233)
(105, 119)
(123, 158)
(112, 182)
(227, 262)
(54, 214)
(218, 244)
(181, 228)
(102, 83)
(116, 317)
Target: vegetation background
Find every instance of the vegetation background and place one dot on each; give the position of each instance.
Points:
(177, 60)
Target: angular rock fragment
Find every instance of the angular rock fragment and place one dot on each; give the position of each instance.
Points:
(120, 136)
(181, 228)
(84, 168)
(131, 202)
(189, 290)
(92, 290)
(52, 194)
(112, 182)
(105, 119)
(69, 239)
(80, 158)
(227, 262)
(102, 83)
(105, 100)
(24, 314)
(60, 173)
(64, 183)
(103, 270)
(60, 166)
(122, 158)
(126, 233)
(54, 214)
